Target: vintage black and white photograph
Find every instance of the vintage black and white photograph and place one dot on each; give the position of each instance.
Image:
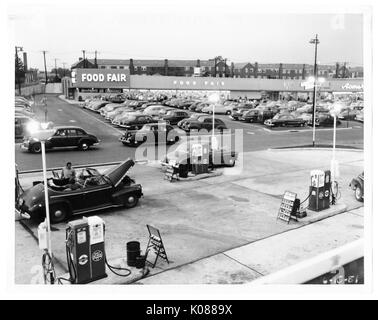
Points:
(163, 143)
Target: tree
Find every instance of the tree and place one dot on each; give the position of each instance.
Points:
(19, 73)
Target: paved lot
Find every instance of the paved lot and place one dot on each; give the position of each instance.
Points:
(200, 219)
(255, 137)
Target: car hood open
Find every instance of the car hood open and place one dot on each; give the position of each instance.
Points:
(117, 173)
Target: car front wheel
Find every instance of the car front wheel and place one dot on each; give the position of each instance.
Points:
(58, 213)
(84, 145)
(36, 148)
(131, 201)
(358, 194)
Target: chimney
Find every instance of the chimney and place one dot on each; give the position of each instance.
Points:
(198, 63)
(304, 72)
(280, 69)
(337, 70)
(255, 70)
(25, 61)
(131, 66)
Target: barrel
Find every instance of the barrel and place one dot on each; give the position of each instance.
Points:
(133, 251)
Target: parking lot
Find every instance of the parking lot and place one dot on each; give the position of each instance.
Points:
(255, 136)
(200, 218)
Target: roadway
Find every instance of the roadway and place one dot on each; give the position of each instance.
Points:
(255, 136)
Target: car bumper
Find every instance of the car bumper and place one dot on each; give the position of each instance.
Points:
(24, 146)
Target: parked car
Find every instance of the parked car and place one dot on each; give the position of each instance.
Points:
(219, 109)
(153, 132)
(237, 112)
(193, 106)
(174, 116)
(193, 116)
(97, 192)
(154, 110)
(357, 184)
(98, 105)
(204, 123)
(200, 106)
(185, 104)
(281, 120)
(61, 137)
(258, 115)
(116, 98)
(135, 121)
(360, 116)
(181, 155)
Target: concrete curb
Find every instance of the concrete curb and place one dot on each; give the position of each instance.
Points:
(73, 102)
(313, 149)
(314, 216)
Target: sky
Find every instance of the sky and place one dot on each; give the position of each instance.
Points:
(160, 30)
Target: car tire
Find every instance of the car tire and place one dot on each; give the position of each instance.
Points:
(36, 148)
(58, 213)
(84, 145)
(232, 164)
(358, 194)
(130, 201)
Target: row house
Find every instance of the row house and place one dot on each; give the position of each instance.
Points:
(189, 68)
(218, 67)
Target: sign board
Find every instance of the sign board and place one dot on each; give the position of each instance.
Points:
(101, 78)
(286, 209)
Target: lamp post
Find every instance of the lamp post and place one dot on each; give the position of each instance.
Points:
(43, 136)
(316, 42)
(213, 98)
(314, 83)
(335, 111)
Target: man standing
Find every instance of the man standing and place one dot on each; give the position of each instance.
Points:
(68, 172)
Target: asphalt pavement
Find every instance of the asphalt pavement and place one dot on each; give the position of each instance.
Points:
(255, 136)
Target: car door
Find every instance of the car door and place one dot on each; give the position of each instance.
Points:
(72, 138)
(18, 127)
(59, 139)
(97, 195)
(74, 197)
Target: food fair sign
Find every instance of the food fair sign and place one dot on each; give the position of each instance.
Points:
(356, 87)
(98, 78)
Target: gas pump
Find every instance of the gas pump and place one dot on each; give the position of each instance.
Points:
(85, 250)
(320, 190)
(200, 158)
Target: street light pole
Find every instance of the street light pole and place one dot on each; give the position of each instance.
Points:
(49, 247)
(316, 42)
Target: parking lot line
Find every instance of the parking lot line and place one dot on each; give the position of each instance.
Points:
(103, 122)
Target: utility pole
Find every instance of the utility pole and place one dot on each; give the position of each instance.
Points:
(316, 42)
(225, 67)
(84, 63)
(344, 70)
(18, 74)
(56, 70)
(95, 61)
(44, 60)
(64, 69)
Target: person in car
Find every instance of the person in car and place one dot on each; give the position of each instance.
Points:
(68, 173)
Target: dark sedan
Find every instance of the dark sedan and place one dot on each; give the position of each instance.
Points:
(174, 116)
(150, 133)
(111, 189)
(136, 121)
(61, 137)
(237, 113)
(204, 123)
(282, 120)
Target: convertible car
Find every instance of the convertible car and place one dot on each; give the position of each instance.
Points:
(91, 191)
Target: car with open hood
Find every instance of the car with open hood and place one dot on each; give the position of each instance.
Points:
(60, 137)
(224, 155)
(91, 191)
